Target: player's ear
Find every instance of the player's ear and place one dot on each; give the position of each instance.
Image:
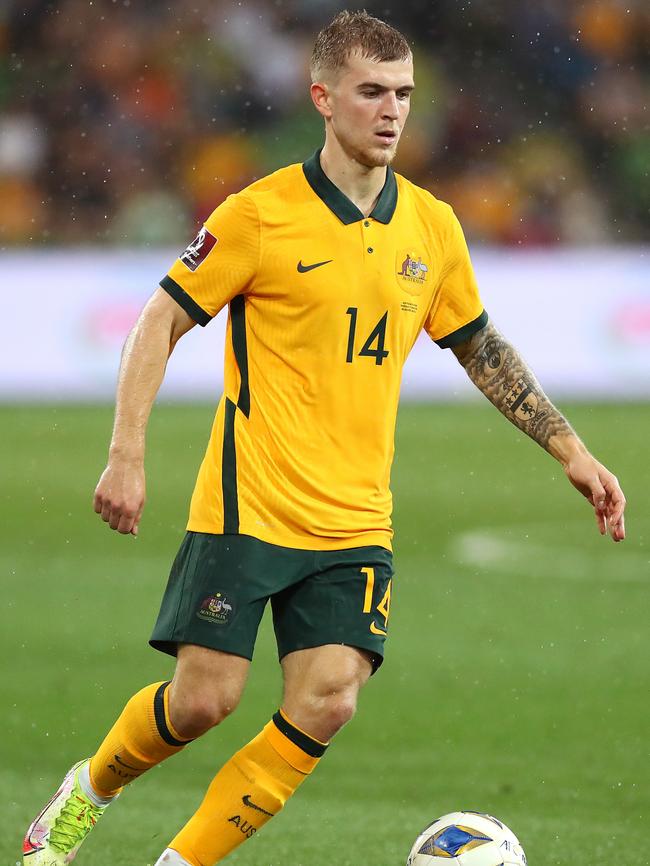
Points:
(320, 95)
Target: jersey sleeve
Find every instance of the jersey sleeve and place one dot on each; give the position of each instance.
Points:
(221, 261)
(456, 311)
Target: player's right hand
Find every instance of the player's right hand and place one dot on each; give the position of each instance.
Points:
(120, 496)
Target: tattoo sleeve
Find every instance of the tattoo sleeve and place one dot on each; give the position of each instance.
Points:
(499, 371)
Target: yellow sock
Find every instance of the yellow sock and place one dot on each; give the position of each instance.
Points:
(141, 738)
(248, 791)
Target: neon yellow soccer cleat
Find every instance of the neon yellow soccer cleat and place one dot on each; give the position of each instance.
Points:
(56, 834)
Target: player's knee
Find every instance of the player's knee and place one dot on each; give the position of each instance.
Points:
(194, 714)
(335, 709)
(338, 711)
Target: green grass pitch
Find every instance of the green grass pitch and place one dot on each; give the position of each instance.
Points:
(516, 679)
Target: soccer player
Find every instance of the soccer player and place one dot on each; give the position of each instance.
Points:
(330, 269)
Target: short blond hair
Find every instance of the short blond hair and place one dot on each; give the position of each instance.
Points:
(356, 31)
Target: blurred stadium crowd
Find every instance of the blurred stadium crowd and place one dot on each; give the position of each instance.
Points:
(128, 122)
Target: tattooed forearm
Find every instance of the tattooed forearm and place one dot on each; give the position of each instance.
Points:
(499, 371)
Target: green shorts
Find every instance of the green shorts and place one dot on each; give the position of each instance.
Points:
(219, 586)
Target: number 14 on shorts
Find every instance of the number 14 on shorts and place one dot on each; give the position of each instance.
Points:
(383, 608)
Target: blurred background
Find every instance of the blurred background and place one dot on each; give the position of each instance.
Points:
(517, 666)
(126, 123)
(122, 125)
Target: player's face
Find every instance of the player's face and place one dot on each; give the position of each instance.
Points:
(369, 102)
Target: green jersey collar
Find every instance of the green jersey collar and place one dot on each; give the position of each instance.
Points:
(340, 204)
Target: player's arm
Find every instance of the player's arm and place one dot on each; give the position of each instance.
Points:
(120, 493)
(498, 370)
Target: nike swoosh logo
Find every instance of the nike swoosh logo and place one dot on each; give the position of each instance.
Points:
(127, 766)
(376, 630)
(246, 800)
(302, 269)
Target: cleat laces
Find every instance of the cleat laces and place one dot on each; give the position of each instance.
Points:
(76, 820)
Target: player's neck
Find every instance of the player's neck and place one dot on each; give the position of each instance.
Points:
(360, 184)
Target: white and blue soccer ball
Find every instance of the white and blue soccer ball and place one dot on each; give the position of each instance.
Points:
(467, 839)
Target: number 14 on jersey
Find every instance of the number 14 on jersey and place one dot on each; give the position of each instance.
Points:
(374, 345)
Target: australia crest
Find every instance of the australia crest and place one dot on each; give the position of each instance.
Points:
(412, 271)
(217, 609)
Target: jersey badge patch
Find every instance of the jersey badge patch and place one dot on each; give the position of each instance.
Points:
(216, 609)
(411, 271)
(198, 250)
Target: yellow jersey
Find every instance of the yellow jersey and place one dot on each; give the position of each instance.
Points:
(324, 307)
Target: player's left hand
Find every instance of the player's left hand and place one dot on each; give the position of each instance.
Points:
(603, 491)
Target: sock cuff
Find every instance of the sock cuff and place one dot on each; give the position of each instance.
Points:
(292, 726)
(161, 716)
(297, 748)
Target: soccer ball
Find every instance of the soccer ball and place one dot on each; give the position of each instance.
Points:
(466, 839)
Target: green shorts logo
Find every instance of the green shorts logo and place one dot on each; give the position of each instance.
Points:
(215, 609)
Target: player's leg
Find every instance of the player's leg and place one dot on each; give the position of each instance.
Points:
(213, 636)
(197, 612)
(330, 627)
(157, 722)
(320, 695)
(321, 686)
(206, 688)
(162, 718)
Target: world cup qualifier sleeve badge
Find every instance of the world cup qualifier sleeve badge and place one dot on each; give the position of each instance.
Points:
(216, 609)
(197, 252)
(412, 270)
